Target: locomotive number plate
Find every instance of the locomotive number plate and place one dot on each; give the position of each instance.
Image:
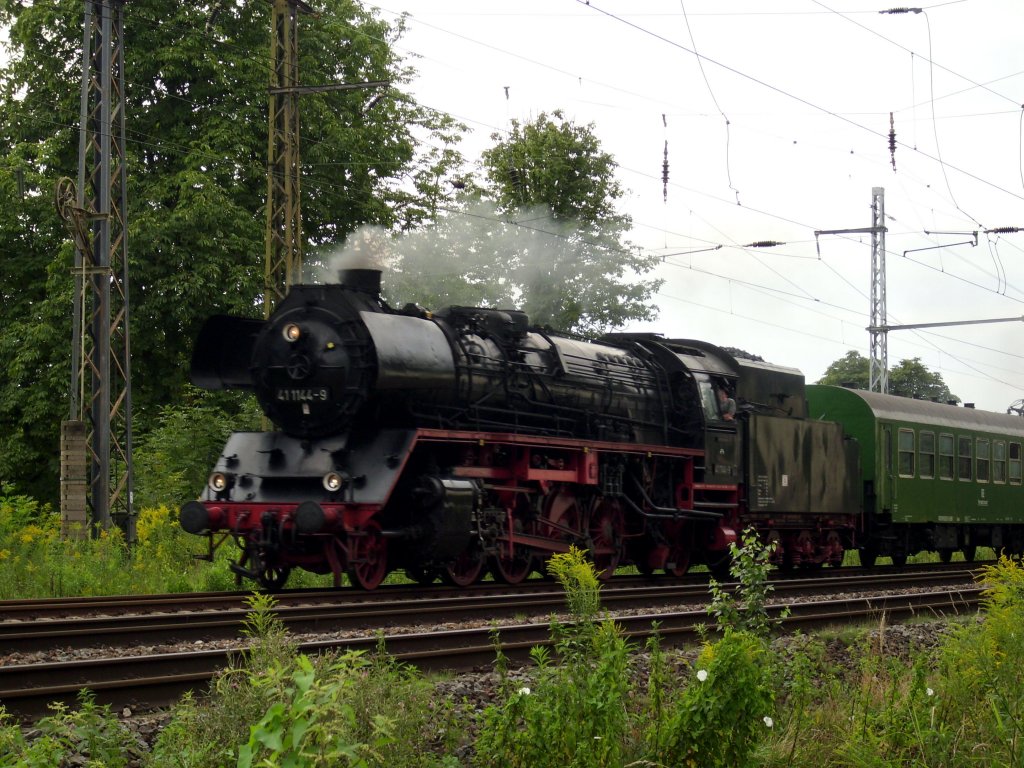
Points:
(303, 395)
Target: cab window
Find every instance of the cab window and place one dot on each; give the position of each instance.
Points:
(963, 467)
(906, 453)
(926, 454)
(708, 399)
(946, 457)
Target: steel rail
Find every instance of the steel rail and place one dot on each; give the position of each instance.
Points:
(350, 611)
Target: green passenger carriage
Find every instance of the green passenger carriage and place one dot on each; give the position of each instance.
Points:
(935, 476)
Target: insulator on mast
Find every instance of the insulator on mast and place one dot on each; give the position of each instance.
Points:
(892, 142)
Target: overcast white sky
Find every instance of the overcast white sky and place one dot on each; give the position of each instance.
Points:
(807, 88)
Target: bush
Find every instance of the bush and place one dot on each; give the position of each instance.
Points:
(725, 711)
(585, 711)
(90, 735)
(574, 714)
(275, 707)
(174, 458)
(36, 561)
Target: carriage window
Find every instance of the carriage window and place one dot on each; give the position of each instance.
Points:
(946, 457)
(926, 454)
(963, 467)
(999, 461)
(1015, 463)
(906, 453)
(983, 461)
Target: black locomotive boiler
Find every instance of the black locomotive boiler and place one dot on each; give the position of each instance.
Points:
(453, 442)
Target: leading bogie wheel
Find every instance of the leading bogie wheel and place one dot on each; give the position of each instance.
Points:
(368, 556)
(273, 578)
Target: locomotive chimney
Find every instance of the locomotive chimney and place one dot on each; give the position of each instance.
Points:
(363, 280)
(360, 263)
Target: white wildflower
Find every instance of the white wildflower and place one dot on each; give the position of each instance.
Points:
(769, 723)
(929, 691)
(524, 691)
(702, 675)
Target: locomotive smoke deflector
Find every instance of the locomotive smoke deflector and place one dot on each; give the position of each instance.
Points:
(223, 353)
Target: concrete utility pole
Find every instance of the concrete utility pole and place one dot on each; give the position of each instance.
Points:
(878, 375)
(96, 441)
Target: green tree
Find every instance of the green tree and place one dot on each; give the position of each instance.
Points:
(575, 272)
(196, 105)
(542, 234)
(910, 378)
(852, 369)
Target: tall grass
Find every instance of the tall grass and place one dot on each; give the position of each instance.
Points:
(35, 561)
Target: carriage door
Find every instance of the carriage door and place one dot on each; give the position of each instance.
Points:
(887, 501)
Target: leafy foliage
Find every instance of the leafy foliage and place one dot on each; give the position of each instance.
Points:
(279, 707)
(587, 687)
(910, 378)
(173, 459)
(541, 235)
(88, 735)
(746, 609)
(196, 108)
(36, 561)
(722, 715)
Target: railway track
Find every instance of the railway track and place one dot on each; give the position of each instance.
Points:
(156, 679)
(36, 626)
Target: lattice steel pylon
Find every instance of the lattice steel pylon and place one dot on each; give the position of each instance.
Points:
(878, 369)
(284, 213)
(96, 214)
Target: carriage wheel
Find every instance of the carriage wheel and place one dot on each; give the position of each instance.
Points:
(678, 561)
(721, 568)
(899, 559)
(273, 577)
(561, 514)
(642, 561)
(512, 569)
(606, 531)
(466, 569)
(969, 552)
(834, 545)
(560, 521)
(367, 556)
(868, 556)
(680, 550)
(945, 555)
(513, 566)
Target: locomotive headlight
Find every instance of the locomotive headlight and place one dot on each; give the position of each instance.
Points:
(291, 333)
(333, 481)
(218, 482)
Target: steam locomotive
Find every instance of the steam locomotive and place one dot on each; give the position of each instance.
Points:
(462, 441)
